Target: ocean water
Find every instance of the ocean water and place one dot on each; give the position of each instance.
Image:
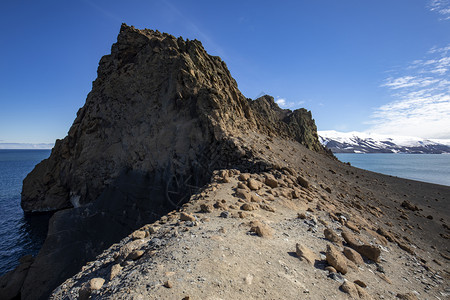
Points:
(19, 234)
(433, 168)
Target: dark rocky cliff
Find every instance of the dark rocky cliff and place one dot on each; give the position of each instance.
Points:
(161, 117)
(157, 104)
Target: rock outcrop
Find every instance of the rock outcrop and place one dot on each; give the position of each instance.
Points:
(161, 117)
(160, 105)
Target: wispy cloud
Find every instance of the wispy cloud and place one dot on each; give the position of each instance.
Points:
(422, 99)
(283, 103)
(442, 7)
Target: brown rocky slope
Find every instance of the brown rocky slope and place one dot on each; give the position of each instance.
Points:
(308, 228)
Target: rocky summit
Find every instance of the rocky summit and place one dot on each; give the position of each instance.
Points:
(172, 185)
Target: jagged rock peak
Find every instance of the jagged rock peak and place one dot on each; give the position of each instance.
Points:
(159, 105)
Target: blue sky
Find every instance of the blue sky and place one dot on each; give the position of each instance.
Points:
(380, 66)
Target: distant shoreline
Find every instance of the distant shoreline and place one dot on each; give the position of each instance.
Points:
(26, 146)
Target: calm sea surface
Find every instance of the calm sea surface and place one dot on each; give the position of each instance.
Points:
(19, 234)
(434, 168)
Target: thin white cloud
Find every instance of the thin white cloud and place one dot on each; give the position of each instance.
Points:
(422, 99)
(442, 7)
(283, 103)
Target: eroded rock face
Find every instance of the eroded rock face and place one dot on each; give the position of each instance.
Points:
(159, 104)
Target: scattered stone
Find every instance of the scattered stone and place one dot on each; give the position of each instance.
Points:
(220, 205)
(271, 181)
(153, 229)
(353, 256)
(408, 205)
(331, 236)
(225, 214)
(96, 283)
(115, 270)
(407, 296)
(350, 288)
(304, 253)
(267, 207)
(336, 259)
(244, 176)
(301, 215)
(303, 182)
(186, 217)
(135, 254)
(336, 276)
(242, 214)
(352, 226)
(168, 284)
(405, 247)
(370, 251)
(255, 198)
(261, 229)
(206, 208)
(360, 283)
(384, 277)
(355, 291)
(249, 206)
(254, 184)
(243, 194)
(138, 234)
(243, 186)
(330, 269)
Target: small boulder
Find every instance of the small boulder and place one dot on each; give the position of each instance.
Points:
(261, 229)
(115, 270)
(332, 236)
(303, 182)
(407, 296)
(135, 254)
(186, 217)
(267, 207)
(244, 176)
(249, 206)
(336, 259)
(408, 205)
(304, 253)
(370, 251)
(271, 181)
(360, 283)
(350, 288)
(206, 208)
(253, 184)
(243, 194)
(96, 283)
(138, 234)
(353, 256)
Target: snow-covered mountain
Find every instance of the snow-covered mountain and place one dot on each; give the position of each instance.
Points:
(361, 142)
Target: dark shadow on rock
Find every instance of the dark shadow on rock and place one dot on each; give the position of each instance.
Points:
(78, 235)
(292, 253)
(320, 264)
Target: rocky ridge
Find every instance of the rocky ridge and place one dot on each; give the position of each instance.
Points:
(161, 95)
(313, 228)
(161, 117)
